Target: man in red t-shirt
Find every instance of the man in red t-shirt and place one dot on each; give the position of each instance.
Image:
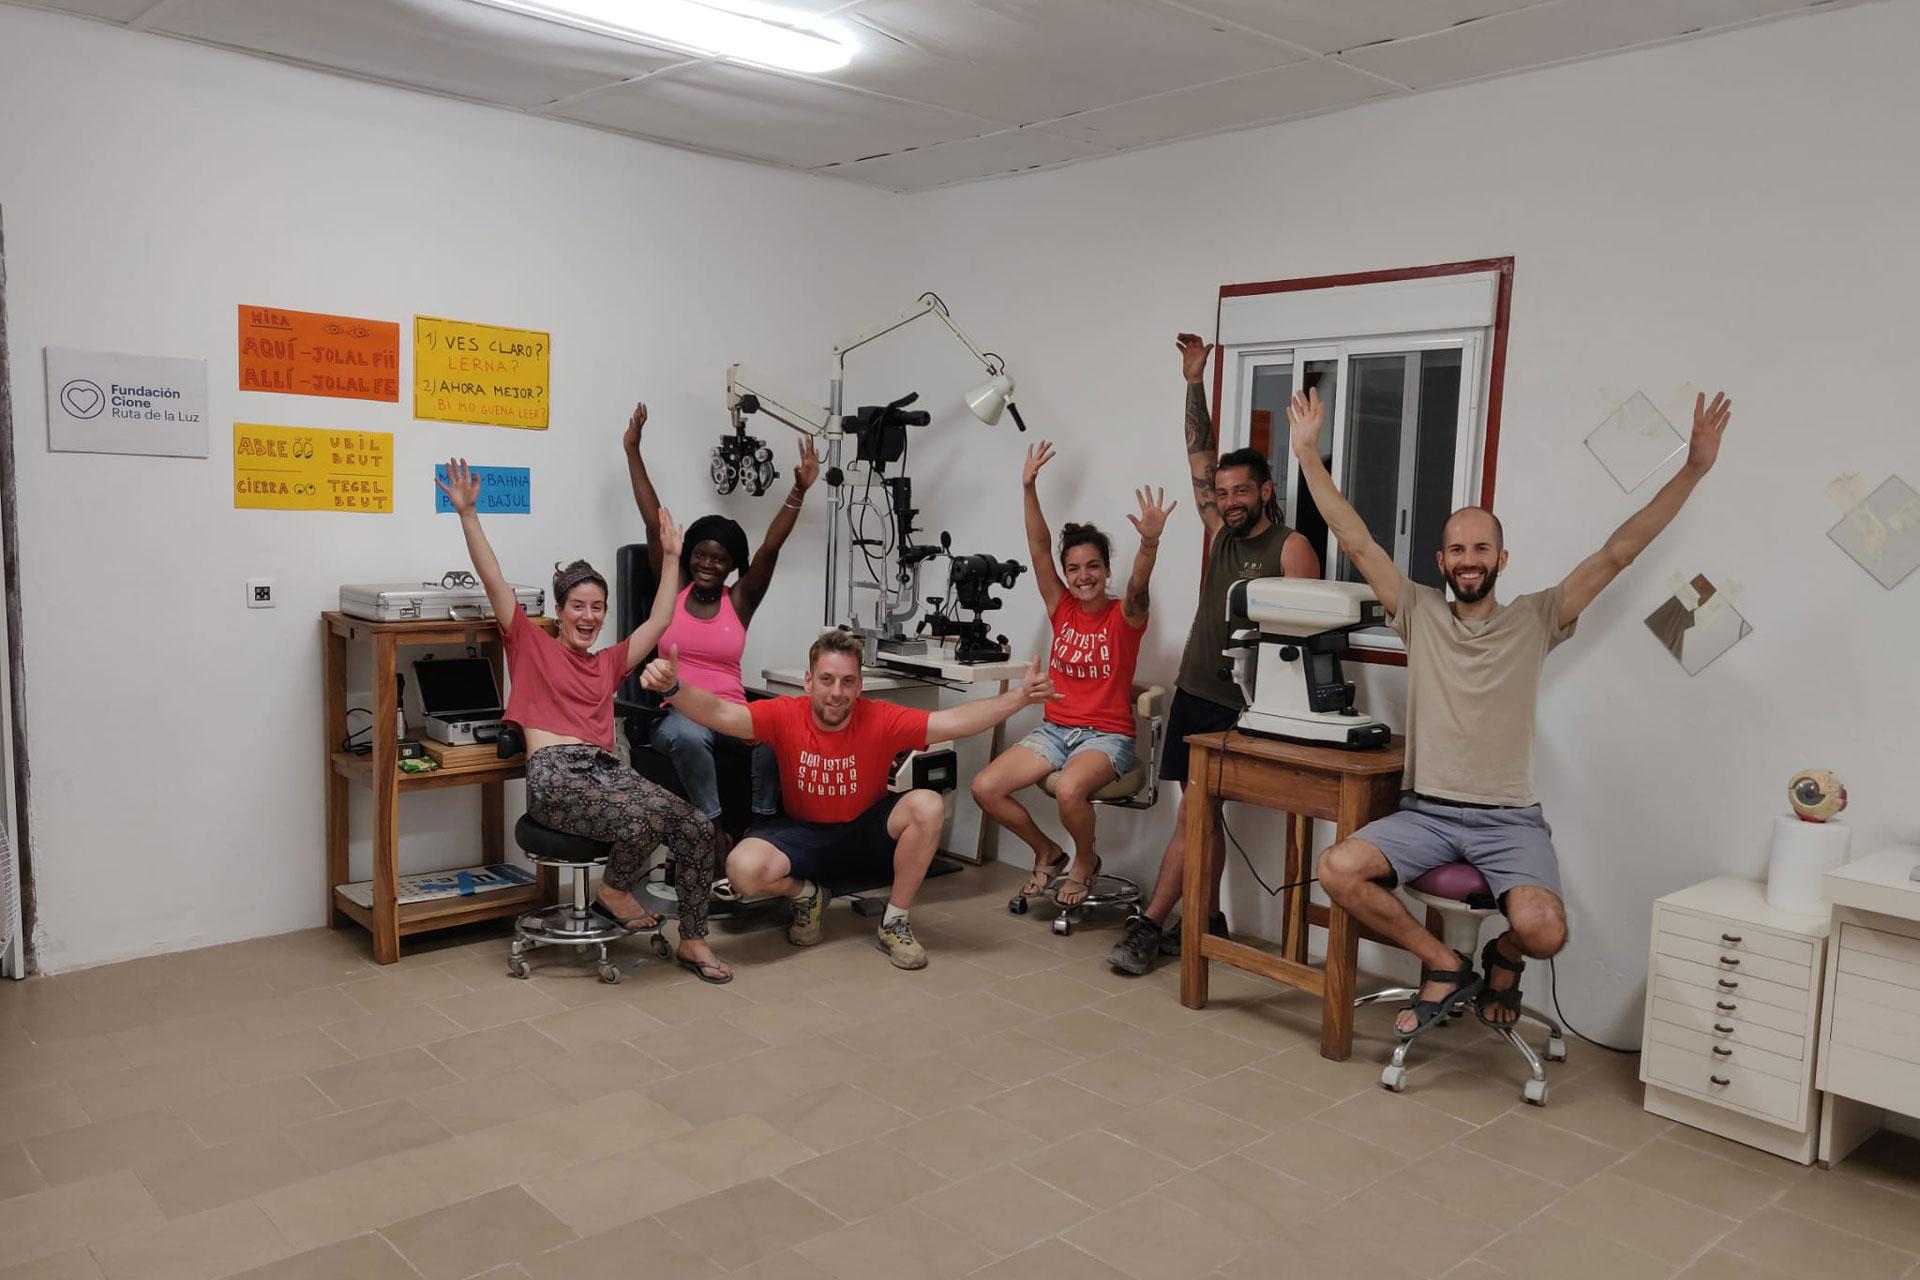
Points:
(836, 751)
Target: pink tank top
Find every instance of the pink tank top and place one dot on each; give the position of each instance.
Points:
(710, 649)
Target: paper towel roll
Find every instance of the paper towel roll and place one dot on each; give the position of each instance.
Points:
(1801, 853)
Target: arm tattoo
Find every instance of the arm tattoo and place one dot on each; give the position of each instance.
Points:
(1200, 434)
(1203, 487)
(1137, 600)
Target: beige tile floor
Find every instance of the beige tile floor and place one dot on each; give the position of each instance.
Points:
(285, 1108)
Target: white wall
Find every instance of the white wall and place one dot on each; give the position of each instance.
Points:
(1735, 211)
(149, 186)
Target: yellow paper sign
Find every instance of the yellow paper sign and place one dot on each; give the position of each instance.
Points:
(479, 373)
(310, 469)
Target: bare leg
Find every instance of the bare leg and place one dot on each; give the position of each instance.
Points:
(915, 826)
(1173, 867)
(1349, 872)
(1085, 774)
(1536, 930)
(993, 788)
(759, 870)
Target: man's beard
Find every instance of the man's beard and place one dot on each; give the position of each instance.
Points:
(1477, 594)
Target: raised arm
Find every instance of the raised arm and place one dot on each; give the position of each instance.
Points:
(645, 636)
(752, 588)
(1203, 442)
(1305, 418)
(1591, 576)
(662, 676)
(982, 714)
(643, 495)
(1039, 537)
(1150, 522)
(462, 488)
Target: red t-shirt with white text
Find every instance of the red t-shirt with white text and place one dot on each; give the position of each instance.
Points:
(837, 775)
(1092, 664)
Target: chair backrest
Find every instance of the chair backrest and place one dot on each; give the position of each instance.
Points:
(632, 601)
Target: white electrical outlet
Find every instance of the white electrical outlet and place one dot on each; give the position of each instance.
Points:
(260, 593)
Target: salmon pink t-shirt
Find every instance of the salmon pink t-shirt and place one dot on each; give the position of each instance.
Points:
(835, 776)
(710, 648)
(1092, 664)
(559, 689)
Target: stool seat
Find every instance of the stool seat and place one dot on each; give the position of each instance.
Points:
(1460, 881)
(1126, 785)
(544, 844)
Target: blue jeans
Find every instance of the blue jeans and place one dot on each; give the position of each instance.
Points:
(693, 750)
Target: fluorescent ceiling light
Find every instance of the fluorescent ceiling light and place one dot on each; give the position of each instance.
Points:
(739, 29)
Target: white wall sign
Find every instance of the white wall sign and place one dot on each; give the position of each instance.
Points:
(105, 402)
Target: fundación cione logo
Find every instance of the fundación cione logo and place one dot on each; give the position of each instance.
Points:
(83, 398)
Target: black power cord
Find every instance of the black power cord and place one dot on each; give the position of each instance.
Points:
(1553, 989)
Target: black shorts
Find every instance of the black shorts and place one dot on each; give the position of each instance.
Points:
(1190, 715)
(857, 850)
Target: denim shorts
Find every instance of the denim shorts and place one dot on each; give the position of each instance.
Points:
(1057, 743)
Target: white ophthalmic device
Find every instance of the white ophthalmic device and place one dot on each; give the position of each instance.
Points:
(1285, 643)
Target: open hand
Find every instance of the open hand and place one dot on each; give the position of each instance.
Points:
(639, 419)
(1306, 417)
(807, 470)
(1153, 513)
(1038, 686)
(1709, 424)
(662, 674)
(1038, 456)
(461, 486)
(669, 535)
(1193, 355)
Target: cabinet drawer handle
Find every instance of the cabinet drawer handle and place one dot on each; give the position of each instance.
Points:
(1723, 1029)
(1728, 985)
(1731, 939)
(1722, 1051)
(1723, 1006)
(1722, 1081)
(1728, 960)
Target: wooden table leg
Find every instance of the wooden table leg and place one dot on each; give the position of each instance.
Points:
(1355, 809)
(1293, 897)
(386, 802)
(986, 843)
(333, 651)
(1200, 852)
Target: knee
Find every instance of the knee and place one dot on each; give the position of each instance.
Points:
(1347, 865)
(1072, 793)
(1542, 935)
(923, 809)
(749, 869)
(986, 790)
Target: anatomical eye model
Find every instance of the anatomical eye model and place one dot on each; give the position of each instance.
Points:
(1817, 795)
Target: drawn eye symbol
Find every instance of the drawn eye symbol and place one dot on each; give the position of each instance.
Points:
(331, 327)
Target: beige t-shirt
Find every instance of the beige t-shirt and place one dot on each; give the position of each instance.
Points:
(1472, 686)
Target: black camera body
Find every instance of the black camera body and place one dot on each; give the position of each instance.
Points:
(880, 430)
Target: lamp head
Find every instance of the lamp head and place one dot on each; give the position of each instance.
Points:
(991, 397)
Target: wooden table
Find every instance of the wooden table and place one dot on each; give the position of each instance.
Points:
(388, 920)
(1349, 788)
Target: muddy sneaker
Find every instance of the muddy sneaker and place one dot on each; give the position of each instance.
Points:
(1138, 949)
(809, 916)
(1170, 936)
(901, 946)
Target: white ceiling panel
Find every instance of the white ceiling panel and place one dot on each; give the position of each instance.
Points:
(449, 46)
(1020, 61)
(1348, 24)
(996, 153)
(1300, 89)
(739, 111)
(1553, 32)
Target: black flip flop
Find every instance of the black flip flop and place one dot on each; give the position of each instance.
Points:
(632, 924)
(1487, 998)
(698, 970)
(1466, 985)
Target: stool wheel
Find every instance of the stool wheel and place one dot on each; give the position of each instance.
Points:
(661, 947)
(1394, 1079)
(1556, 1049)
(1017, 905)
(518, 968)
(1062, 925)
(609, 972)
(1535, 1093)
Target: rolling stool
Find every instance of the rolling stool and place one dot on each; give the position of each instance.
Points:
(567, 924)
(1137, 788)
(1461, 898)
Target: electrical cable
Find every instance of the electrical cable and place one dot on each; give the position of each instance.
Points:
(1553, 990)
(348, 744)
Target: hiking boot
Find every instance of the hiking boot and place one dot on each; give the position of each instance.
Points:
(1138, 948)
(809, 917)
(901, 946)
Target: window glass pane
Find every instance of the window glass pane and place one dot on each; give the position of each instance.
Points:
(1307, 519)
(1439, 428)
(1267, 422)
(1375, 407)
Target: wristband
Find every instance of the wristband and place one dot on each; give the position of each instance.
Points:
(665, 694)
(790, 504)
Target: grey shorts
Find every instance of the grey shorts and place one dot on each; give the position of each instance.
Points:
(1510, 847)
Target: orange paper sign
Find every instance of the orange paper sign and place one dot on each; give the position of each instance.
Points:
(303, 353)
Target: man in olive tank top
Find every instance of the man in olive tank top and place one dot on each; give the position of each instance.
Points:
(1246, 539)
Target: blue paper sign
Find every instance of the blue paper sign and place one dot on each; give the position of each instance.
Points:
(504, 491)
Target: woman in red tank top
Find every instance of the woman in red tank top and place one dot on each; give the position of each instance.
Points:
(1087, 735)
(710, 621)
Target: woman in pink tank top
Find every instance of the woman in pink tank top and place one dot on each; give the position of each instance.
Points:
(709, 626)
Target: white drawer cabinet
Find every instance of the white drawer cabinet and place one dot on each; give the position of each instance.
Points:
(1733, 1014)
(1869, 1044)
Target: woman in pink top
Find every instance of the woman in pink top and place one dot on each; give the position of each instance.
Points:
(560, 693)
(709, 625)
